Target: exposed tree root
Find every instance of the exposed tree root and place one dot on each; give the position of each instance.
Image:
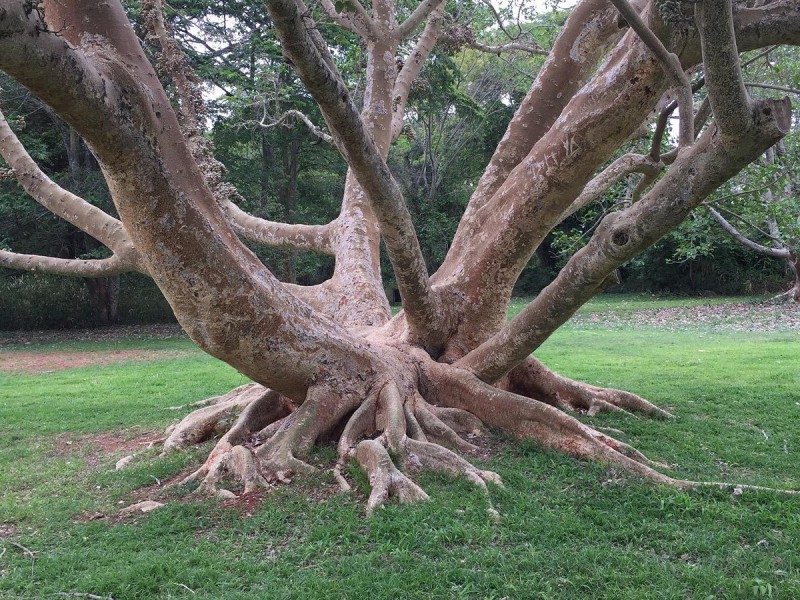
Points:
(791, 296)
(202, 424)
(400, 429)
(384, 478)
(534, 380)
(529, 418)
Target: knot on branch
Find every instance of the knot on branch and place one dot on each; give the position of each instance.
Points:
(456, 36)
(773, 116)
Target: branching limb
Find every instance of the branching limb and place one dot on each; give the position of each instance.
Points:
(694, 175)
(590, 30)
(174, 63)
(424, 9)
(413, 65)
(359, 21)
(73, 209)
(623, 166)
(292, 113)
(672, 67)
(421, 306)
(742, 239)
(663, 119)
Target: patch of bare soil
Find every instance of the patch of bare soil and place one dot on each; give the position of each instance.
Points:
(7, 530)
(47, 362)
(108, 443)
(246, 504)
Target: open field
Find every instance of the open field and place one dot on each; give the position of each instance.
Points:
(729, 372)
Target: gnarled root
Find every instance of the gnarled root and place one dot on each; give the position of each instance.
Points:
(405, 425)
(279, 434)
(259, 412)
(400, 426)
(529, 418)
(238, 463)
(384, 478)
(202, 424)
(534, 380)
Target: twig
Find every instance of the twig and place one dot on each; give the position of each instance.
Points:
(25, 550)
(82, 595)
(497, 50)
(186, 587)
(767, 86)
(302, 117)
(760, 55)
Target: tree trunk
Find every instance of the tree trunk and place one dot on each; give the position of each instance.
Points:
(104, 299)
(793, 264)
(288, 200)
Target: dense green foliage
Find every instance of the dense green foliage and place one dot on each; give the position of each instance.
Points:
(560, 534)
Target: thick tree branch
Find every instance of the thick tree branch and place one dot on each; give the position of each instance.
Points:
(314, 238)
(742, 239)
(624, 165)
(329, 91)
(663, 119)
(774, 23)
(62, 203)
(672, 67)
(174, 63)
(186, 242)
(412, 66)
(591, 29)
(105, 267)
(359, 21)
(423, 11)
(722, 69)
(695, 174)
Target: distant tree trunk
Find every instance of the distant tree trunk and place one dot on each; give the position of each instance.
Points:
(793, 262)
(267, 159)
(104, 299)
(288, 199)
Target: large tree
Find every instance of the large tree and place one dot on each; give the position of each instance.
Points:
(331, 360)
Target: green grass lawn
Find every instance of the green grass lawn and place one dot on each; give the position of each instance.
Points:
(567, 529)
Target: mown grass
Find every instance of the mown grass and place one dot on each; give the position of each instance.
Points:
(567, 529)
